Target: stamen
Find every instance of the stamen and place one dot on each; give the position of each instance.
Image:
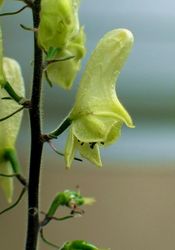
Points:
(92, 144)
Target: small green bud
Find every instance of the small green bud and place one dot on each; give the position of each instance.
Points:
(79, 245)
(59, 23)
(69, 199)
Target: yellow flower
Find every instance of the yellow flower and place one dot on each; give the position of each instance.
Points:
(59, 23)
(97, 116)
(9, 128)
(63, 72)
(59, 30)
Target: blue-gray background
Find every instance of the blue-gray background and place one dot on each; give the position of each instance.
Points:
(146, 85)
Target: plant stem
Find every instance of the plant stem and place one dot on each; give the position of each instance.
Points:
(64, 125)
(36, 142)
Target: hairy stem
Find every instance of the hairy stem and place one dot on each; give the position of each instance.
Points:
(36, 142)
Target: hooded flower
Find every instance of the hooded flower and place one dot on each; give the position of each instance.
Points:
(59, 31)
(59, 23)
(97, 116)
(63, 72)
(9, 128)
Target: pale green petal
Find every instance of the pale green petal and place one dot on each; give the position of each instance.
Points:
(93, 128)
(59, 22)
(9, 128)
(6, 183)
(96, 92)
(64, 73)
(89, 129)
(120, 114)
(114, 133)
(86, 150)
(70, 149)
(91, 154)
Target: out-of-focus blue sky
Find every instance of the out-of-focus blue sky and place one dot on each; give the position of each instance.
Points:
(146, 85)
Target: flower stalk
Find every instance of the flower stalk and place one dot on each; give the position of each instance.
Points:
(36, 142)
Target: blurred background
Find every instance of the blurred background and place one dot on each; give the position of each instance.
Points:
(135, 188)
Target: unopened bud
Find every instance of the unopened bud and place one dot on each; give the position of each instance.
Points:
(79, 245)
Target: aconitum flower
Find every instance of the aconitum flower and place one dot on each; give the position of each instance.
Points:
(59, 30)
(9, 128)
(59, 23)
(97, 115)
(64, 72)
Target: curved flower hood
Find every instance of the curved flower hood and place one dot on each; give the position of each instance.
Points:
(98, 115)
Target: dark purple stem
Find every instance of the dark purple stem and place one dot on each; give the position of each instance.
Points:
(36, 142)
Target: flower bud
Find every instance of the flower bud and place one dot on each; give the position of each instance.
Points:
(79, 245)
(69, 199)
